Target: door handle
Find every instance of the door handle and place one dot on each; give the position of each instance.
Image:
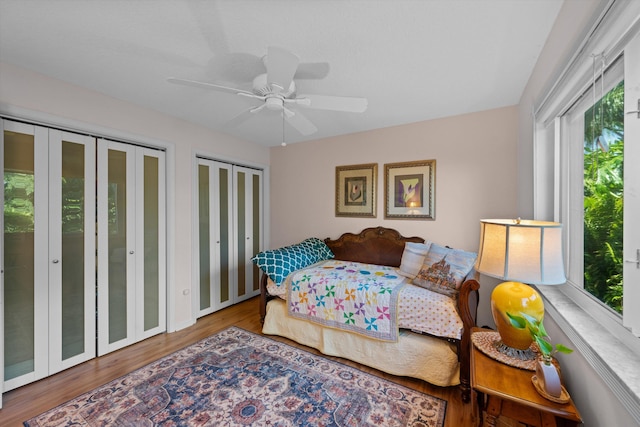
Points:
(635, 261)
(635, 112)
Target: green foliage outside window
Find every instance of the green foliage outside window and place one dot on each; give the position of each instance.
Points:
(18, 202)
(603, 198)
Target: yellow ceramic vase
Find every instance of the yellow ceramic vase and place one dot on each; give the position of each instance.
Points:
(515, 298)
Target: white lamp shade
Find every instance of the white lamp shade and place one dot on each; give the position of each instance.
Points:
(522, 251)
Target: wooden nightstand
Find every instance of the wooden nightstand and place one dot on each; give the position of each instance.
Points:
(508, 391)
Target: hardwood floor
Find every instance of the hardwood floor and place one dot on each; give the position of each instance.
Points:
(27, 401)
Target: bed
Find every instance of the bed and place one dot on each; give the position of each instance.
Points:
(439, 355)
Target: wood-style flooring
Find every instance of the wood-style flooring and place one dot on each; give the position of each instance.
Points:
(27, 401)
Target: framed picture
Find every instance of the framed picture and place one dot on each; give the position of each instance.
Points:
(409, 190)
(356, 190)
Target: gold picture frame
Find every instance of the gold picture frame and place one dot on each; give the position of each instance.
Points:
(356, 190)
(409, 190)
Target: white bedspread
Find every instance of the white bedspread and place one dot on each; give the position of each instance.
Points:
(417, 356)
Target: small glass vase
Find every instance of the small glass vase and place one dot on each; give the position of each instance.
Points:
(548, 377)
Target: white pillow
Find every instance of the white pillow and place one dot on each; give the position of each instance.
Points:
(412, 258)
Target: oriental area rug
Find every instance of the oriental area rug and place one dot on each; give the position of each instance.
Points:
(238, 378)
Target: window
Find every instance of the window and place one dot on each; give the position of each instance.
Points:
(592, 192)
(593, 163)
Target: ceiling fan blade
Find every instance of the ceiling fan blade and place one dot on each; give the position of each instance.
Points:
(281, 67)
(336, 103)
(235, 67)
(299, 122)
(203, 85)
(312, 70)
(243, 117)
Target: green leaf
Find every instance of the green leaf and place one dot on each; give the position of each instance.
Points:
(545, 347)
(530, 318)
(533, 330)
(562, 349)
(517, 321)
(542, 331)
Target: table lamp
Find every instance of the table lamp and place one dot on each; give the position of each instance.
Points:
(519, 251)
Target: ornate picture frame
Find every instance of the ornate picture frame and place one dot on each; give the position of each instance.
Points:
(409, 190)
(356, 190)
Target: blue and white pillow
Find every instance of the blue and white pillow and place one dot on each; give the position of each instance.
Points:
(279, 263)
(445, 269)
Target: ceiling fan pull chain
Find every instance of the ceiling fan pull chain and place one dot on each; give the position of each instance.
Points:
(284, 144)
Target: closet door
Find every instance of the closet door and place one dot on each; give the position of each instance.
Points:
(216, 284)
(248, 203)
(49, 251)
(72, 296)
(151, 245)
(25, 258)
(230, 233)
(131, 244)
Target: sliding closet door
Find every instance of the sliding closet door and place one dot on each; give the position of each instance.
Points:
(72, 296)
(248, 229)
(131, 244)
(217, 276)
(25, 258)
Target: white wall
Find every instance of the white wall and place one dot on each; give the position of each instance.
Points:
(595, 401)
(476, 177)
(573, 23)
(475, 168)
(33, 96)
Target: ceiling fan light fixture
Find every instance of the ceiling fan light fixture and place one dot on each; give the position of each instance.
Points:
(274, 103)
(262, 87)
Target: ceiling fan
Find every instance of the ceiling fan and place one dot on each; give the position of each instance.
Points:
(276, 90)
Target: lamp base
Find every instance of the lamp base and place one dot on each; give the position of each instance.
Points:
(486, 341)
(515, 353)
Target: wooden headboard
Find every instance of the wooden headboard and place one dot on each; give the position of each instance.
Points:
(375, 245)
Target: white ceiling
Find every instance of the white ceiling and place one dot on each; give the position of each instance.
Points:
(413, 60)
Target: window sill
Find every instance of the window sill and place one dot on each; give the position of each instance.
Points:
(612, 351)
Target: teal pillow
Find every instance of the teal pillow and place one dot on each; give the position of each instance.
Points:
(279, 263)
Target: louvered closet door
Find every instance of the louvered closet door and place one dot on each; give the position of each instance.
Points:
(217, 275)
(131, 244)
(248, 216)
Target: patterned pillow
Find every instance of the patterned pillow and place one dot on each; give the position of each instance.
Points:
(413, 257)
(444, 269)
(279, 263)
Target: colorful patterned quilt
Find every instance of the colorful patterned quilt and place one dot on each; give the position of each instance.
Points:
(358, 297)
